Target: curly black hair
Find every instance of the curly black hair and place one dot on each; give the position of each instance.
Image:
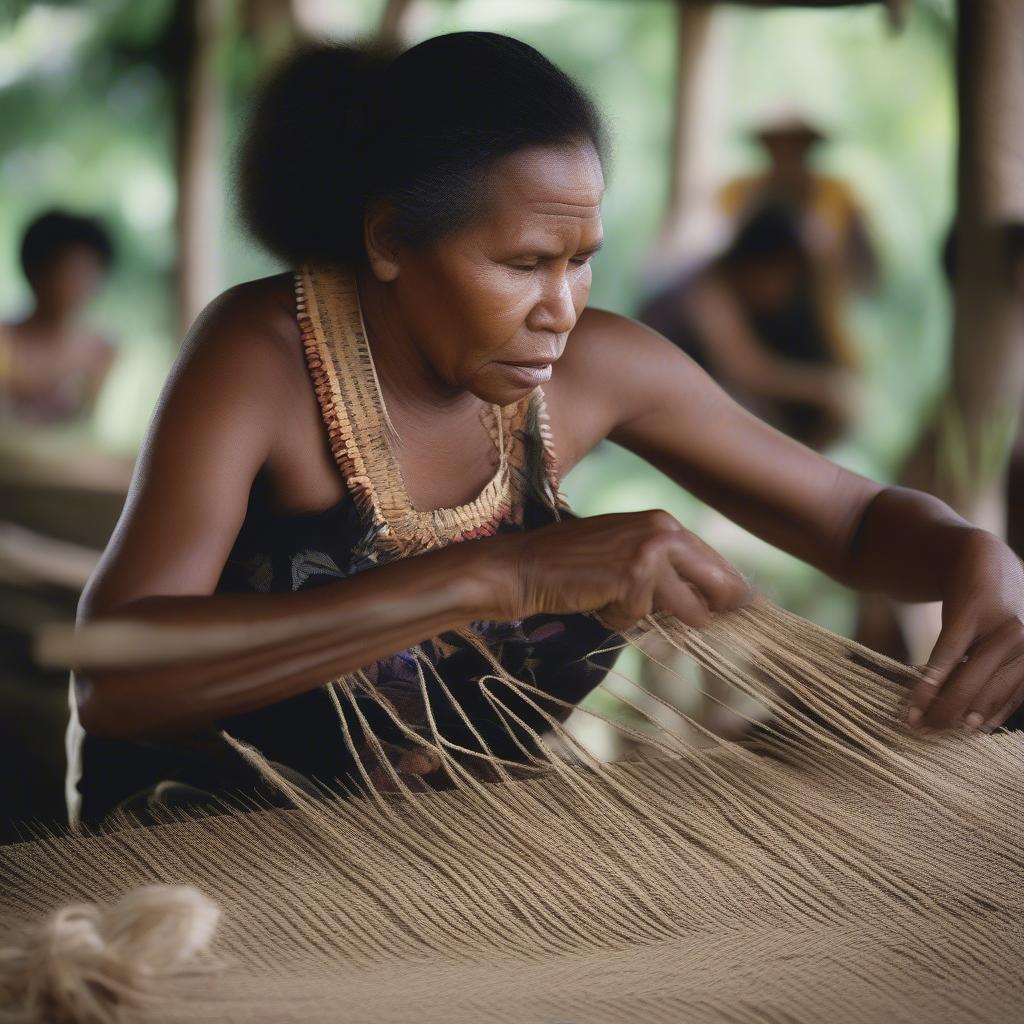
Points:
(340, 125)
(54, 231)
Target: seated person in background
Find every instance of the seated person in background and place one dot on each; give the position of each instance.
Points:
(51, 367)
(755, 319)
(827, 213)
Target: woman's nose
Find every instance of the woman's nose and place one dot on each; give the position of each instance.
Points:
(556, 311)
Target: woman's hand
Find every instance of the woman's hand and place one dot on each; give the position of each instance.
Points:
(975, 675)
(622, 566)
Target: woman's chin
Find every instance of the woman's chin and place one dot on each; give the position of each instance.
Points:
(505, 383)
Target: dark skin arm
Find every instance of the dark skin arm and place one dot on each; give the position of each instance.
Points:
(224, 410)
(216, 424)
(899, 541)
(980, 582)
(226, 404)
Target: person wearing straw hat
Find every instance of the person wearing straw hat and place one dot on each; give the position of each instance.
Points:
(834, 224)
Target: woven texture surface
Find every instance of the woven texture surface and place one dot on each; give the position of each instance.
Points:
(836, 868)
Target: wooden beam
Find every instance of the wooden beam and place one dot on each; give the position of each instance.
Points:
(686, 228)
(798, 3)
(693, 24)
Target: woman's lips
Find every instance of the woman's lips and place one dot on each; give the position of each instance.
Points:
(527, 376)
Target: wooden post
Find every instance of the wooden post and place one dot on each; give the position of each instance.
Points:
(695, 119)
(978, 421)
(198, 29)
(689, 155)
(963, 454)
(389, 28)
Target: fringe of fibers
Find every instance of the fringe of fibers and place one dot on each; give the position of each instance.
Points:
(834, 867)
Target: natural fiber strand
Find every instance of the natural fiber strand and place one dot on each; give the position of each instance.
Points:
(833, 866)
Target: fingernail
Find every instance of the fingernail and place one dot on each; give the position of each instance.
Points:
(913, 716)
(973, 720)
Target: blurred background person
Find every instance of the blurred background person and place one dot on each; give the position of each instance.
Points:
(52, 366)
(756, 319)
(59, 497)
(825, 208)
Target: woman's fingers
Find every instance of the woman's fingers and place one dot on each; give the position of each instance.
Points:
(681, 598)
(948, 653)
(998, 691)
(982, 681)
(673, 575)
(623, 566)
(1009, 707)
(949, 706)
(720, 586)
(638, 597)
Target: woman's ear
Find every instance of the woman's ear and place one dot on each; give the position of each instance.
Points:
(378, 238)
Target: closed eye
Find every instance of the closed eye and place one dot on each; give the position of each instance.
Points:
(579, 261)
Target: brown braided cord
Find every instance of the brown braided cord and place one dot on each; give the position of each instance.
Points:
(363, 440)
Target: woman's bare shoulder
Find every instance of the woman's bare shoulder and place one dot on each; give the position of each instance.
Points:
(601, 379)
(253, 325)
(242, 356)
(264, 307)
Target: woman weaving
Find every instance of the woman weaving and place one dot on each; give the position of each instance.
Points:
(440, 211)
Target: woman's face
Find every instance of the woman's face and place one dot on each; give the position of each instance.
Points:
(490, 307)
(69, 280)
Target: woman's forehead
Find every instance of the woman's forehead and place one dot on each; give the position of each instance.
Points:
(547, 190)
(568, 175)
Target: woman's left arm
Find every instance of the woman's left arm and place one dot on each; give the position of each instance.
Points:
(975, 673)
(658, 403)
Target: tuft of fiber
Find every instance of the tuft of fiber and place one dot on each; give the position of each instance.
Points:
(89, 963)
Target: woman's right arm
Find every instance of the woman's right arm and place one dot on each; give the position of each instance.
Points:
(224, 405)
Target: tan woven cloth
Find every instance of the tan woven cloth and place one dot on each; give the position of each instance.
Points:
(839, 868)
